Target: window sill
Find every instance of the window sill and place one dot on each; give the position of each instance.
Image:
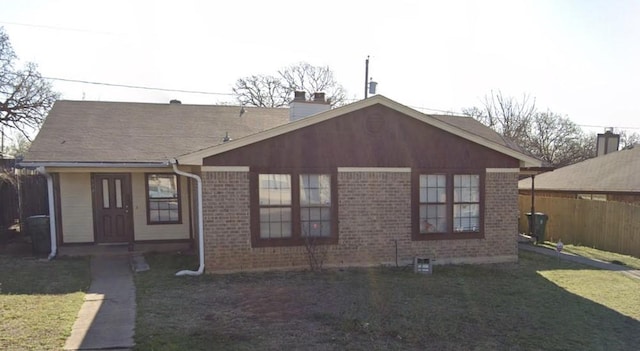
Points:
(163, 223)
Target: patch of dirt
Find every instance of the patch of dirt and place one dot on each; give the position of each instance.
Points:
(278, 303)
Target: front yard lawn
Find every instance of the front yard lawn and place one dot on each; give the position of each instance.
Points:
(536, 304)
(39, 301)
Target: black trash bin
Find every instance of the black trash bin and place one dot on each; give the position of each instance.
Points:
(540, 219)
(38, 228)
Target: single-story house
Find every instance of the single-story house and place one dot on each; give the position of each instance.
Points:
(373, 182)
(610, 177)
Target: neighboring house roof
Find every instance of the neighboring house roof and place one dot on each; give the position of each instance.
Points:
(614, 172)
(111, 132)
(91, 131)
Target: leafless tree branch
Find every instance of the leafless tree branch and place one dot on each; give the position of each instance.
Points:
(25, 97)
(548, 136)
(277, 91)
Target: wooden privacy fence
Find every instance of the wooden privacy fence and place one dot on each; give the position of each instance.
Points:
(22, 195)
(605, 225)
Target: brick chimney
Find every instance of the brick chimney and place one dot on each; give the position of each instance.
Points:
(300, 107)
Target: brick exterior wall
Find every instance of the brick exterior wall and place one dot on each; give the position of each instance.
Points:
(374, 214)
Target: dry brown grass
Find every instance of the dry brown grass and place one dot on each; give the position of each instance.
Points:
(534, 305)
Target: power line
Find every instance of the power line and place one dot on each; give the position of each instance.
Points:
(448, 112)
(592, 126)
(207, 92)
(454, 113)
(136, 86)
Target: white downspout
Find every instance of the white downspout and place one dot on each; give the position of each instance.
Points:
(200, 270)
(52, 214)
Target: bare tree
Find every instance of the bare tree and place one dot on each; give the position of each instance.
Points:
(277, 91)
(19, 146)
(506, 115)
(25, 97)
(557, 140)
(262, 91)
(628, 140)
(548, 136)
(316, 252)
(311, 79)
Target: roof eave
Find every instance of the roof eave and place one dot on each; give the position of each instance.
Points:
(84, 164)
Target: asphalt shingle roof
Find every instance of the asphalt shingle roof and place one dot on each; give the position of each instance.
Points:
(614, 172)
(91, 131)
(94, 131)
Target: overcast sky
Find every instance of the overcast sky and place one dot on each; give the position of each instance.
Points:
(578, 58)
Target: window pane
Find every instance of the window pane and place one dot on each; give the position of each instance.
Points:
(275, 229)
(304, 214)
(118, 187)
(105, 193)
(275, 189)
(315, 189)
(466, 188)
(475, 180)
(162, 186)
(286, 230)
(325, 214)
(163, 199)
(466, 212)
(275, 222)
(315, 205)
(466, 217)
(326, 228)
(314, 214)
(433, 210)
(474, 195)
(264, 215)
(264, 230)
(432, 195)
(433, 188)
(433, 218)
(466, 180)
(173, 211)
(315, 228)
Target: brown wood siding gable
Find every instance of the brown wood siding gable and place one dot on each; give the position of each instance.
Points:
(376, 136)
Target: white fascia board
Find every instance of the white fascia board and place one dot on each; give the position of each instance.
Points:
(36, 164)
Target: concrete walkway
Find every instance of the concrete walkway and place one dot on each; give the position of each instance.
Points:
(579, 259)
(107, 317)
